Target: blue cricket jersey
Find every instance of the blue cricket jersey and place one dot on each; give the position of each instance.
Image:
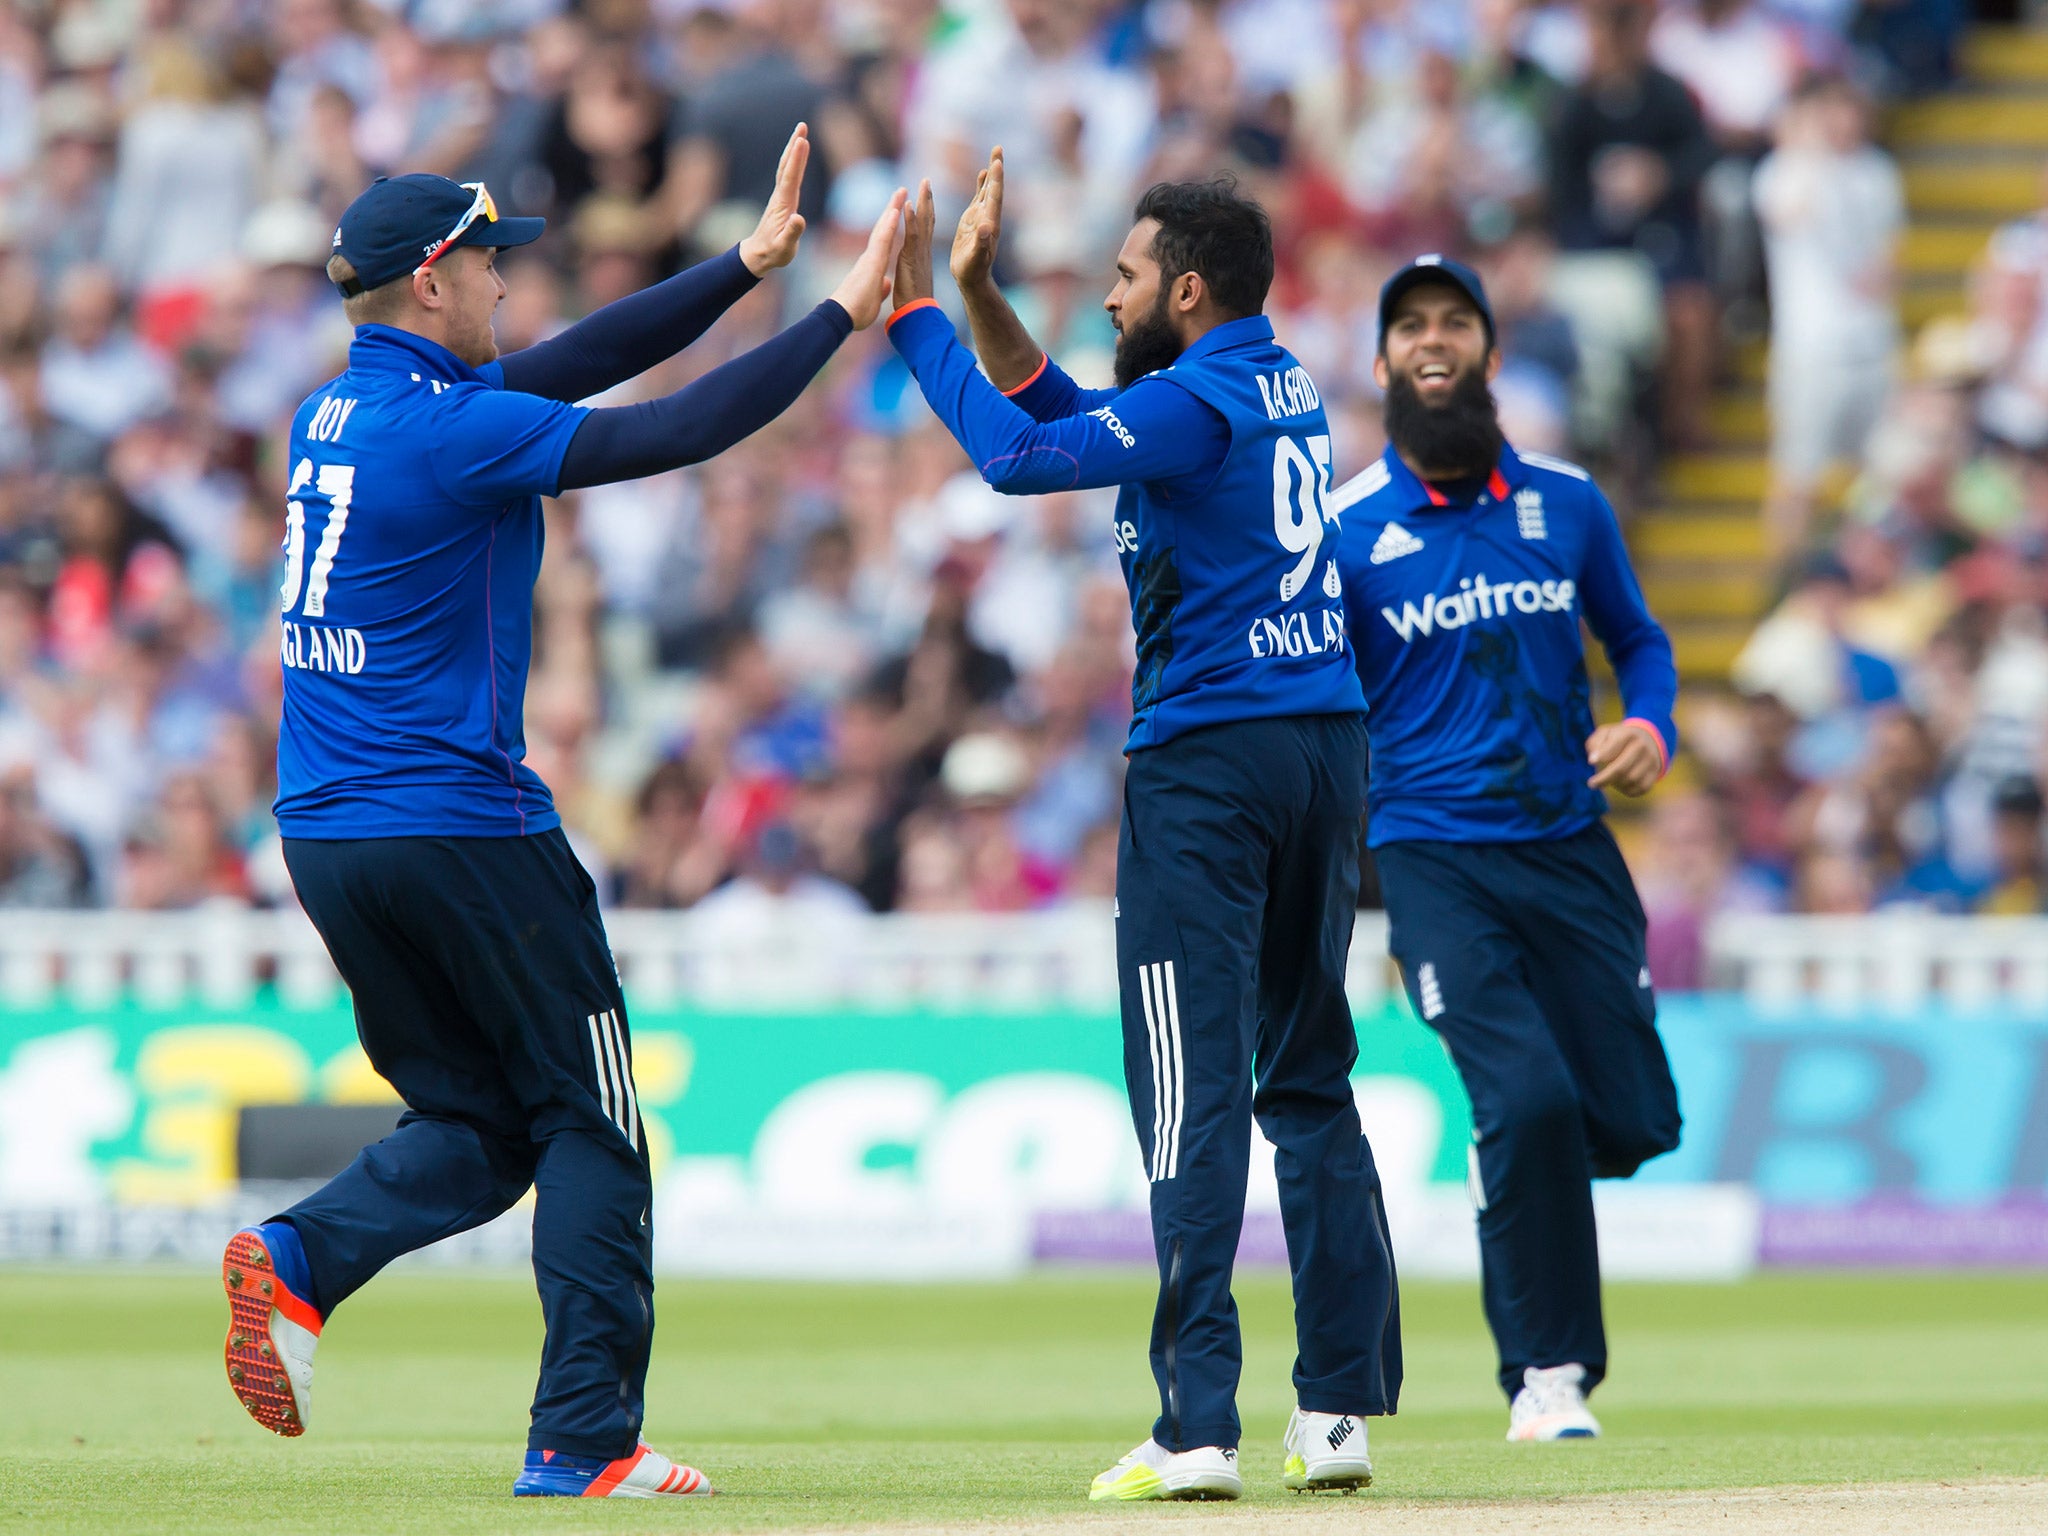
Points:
(1465, 617)
(1223, 524)
(412, 539)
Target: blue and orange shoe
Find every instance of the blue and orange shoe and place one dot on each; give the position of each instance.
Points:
(272, 1326)
(646, 1474)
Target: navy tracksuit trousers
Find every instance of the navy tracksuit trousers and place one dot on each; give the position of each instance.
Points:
(1237, 877)
(486, 995)
(1528, 959)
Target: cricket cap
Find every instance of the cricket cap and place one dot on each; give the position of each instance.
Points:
(399, 224)
(1436, 269)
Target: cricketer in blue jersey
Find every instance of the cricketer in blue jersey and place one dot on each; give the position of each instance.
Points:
(1237, 860)
(1468, 569)
(425, 851)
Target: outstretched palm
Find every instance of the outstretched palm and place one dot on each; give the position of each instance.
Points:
(974, 242)
(774, 240)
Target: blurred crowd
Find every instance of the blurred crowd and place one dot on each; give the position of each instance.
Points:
(1886, 743)
(829, 672)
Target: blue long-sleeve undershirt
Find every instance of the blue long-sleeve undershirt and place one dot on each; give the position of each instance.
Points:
(708, 416)
(627, 337)
(1637, 647)
(1154, 432)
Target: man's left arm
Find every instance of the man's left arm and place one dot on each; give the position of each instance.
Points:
(1152, 431)
(631, 335)
(1633, 755)
(627, 337)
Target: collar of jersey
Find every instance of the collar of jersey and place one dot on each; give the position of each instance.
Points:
(1509, 476)
(387, 349)
(1231, 333)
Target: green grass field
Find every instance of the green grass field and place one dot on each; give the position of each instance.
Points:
(820, 1406)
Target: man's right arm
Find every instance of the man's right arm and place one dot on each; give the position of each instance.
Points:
(1018, 366)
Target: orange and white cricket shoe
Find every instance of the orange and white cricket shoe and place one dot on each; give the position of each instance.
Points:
(272, 1326)
(1552, 1406)
(646, 1474)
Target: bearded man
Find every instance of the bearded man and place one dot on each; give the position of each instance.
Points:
(1237, 862)
(1466, 569)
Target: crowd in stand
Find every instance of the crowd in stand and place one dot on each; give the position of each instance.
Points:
(830, 672)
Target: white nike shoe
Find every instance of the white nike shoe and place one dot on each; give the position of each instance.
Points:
(1326, 1453)
(1153, 1472)
(1552, 1406)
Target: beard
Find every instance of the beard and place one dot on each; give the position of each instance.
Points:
(1146, 345)
(1460, 437)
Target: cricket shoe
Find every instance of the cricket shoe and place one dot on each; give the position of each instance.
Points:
(1326, 1453)
(272, 1325)
(1552, 1406)
(1153, 1472)
(646, 1474)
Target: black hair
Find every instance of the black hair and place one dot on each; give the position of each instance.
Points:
(1209, 229)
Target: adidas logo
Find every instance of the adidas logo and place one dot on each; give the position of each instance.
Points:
(1394, 542)
(1430, 994)
(1342, 1432)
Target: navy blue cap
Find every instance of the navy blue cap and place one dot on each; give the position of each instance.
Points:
(1436, 269)
(397, 221)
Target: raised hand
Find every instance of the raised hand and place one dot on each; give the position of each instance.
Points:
(774, 240)
(974, 242)
(861, 292)
(914, 263)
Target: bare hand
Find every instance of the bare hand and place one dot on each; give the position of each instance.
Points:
(914, 264)
(861, 292)
(1626, 757)
(974, 242)
(774, 240)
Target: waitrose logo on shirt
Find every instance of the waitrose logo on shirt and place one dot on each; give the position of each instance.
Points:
(1477, 598)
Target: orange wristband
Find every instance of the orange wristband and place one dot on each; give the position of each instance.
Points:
(906, 309)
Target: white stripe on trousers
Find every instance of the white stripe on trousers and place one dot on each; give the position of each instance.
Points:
(615, 1075)
(1169, 1090)
(1180, 1080)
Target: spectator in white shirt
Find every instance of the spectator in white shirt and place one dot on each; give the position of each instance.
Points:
(1831, 207)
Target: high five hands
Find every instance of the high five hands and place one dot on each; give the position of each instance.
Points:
(974, 240)
(775, 239)
(861, 292)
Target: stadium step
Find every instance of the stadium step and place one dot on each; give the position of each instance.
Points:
(1690, 590)
(1941, 187)
(1942, 249)
(1727, 535)
(1706, 652)
(1719, 476)
(2006, 56)
(1738, 419)
(1976, 119)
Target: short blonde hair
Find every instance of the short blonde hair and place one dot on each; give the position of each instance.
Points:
(373, 306)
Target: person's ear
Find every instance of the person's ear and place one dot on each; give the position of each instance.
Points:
(1492, 363)
(426, 287)
(1381, 377)
(1188, 289)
